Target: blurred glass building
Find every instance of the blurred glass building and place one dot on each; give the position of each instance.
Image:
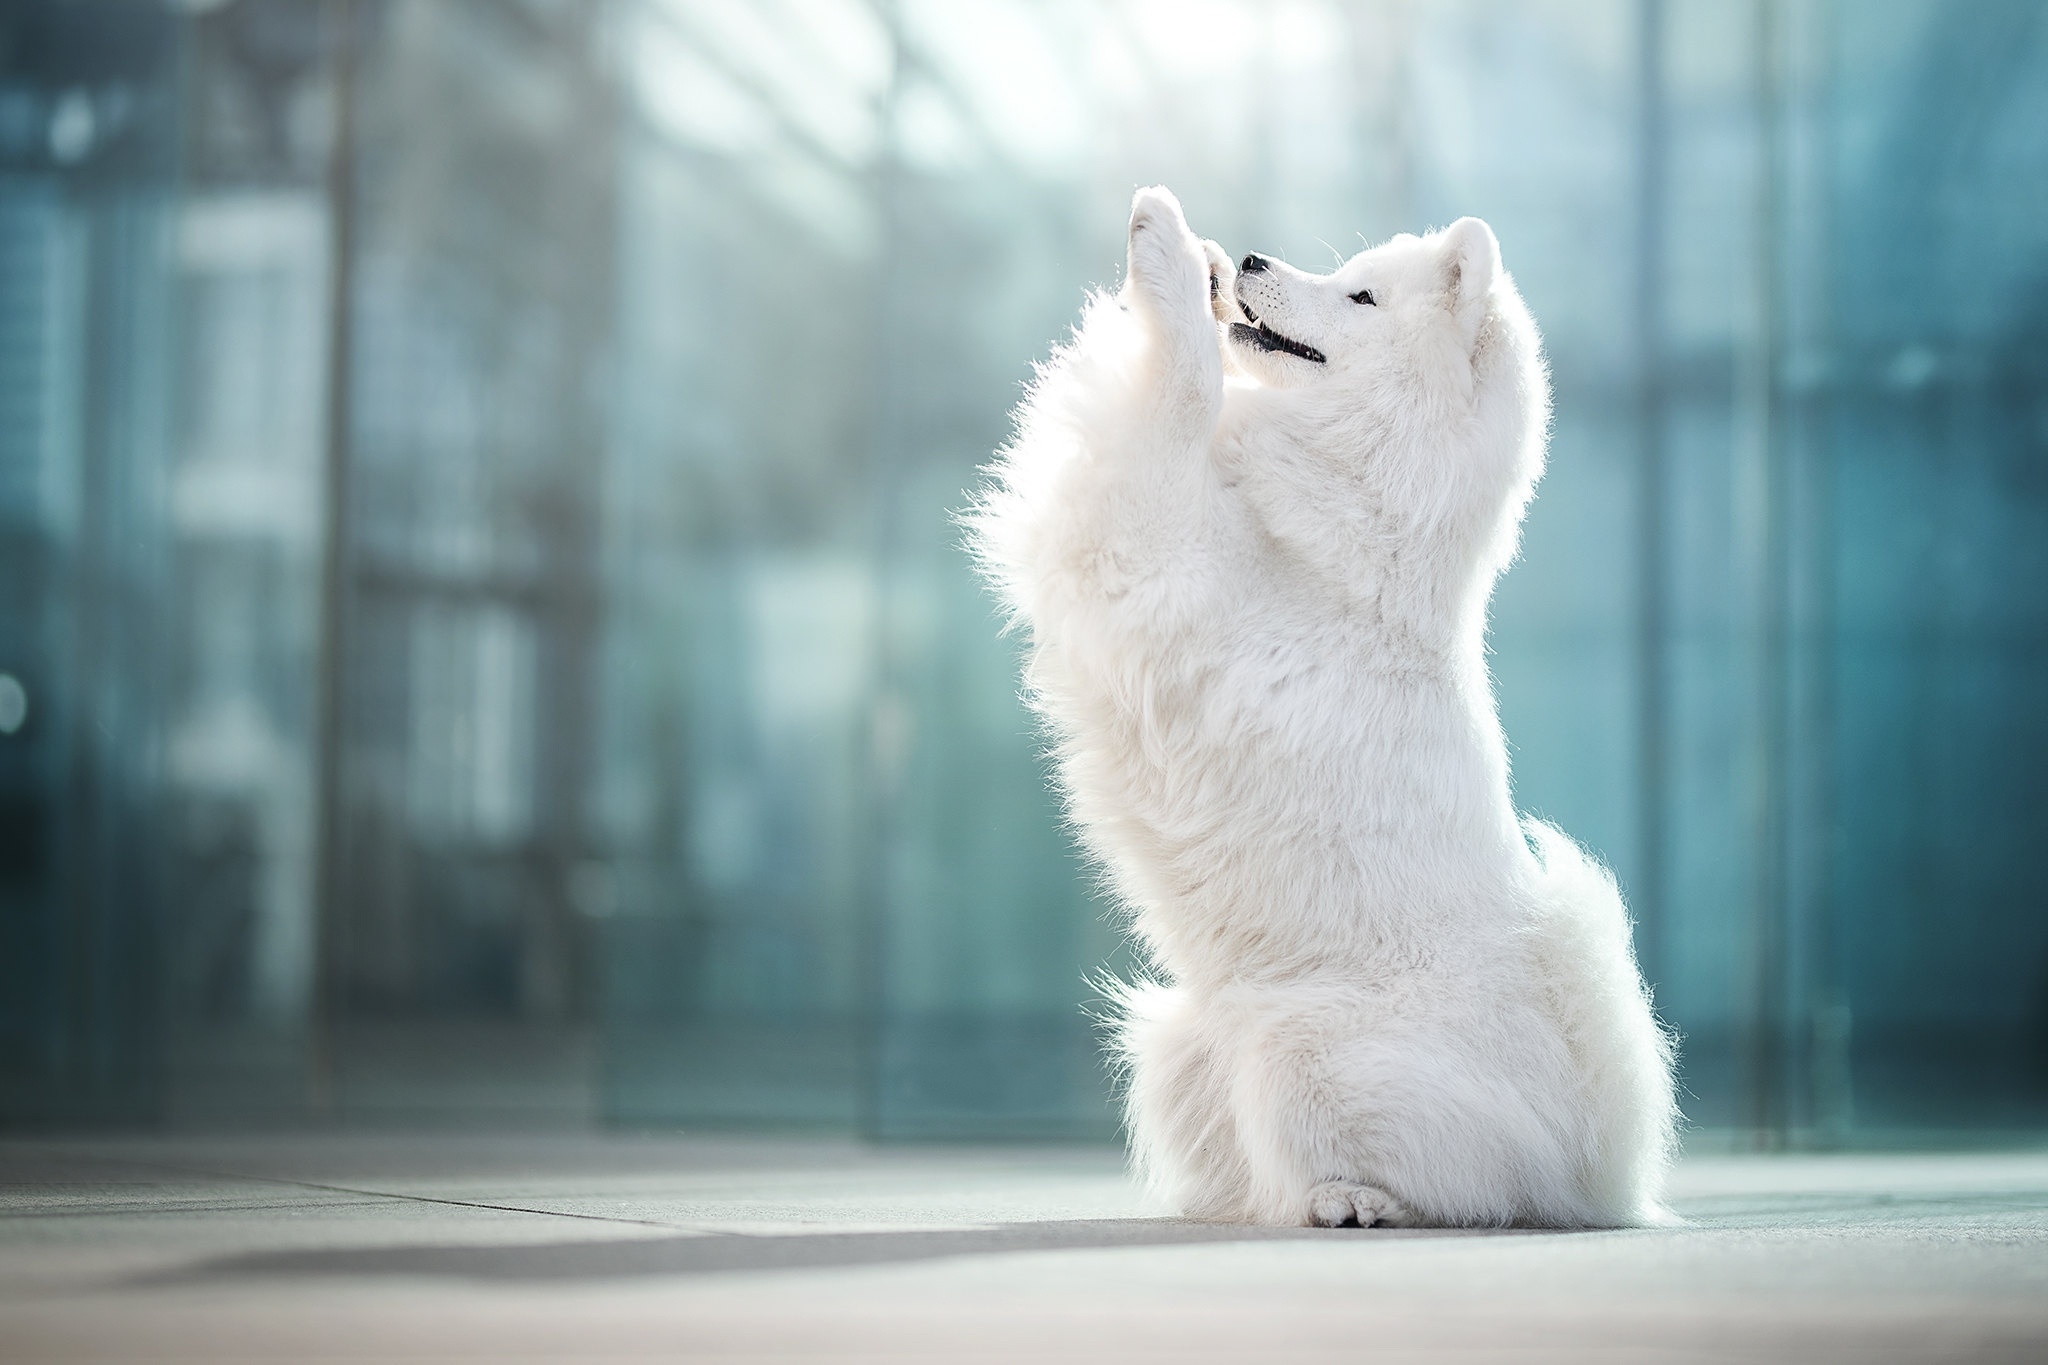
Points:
(482, 637)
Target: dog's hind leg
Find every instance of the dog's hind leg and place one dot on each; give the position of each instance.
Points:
(1345, 1203)
(1177, 1105)
(1344, 1110)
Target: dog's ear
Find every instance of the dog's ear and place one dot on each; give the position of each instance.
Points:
(1471, 263)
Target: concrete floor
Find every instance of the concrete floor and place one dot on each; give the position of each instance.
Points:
(508, 1248)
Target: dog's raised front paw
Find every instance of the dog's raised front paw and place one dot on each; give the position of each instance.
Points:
(1154, 209)
(1222, 283)
(1168, 266)
(1345, 1203)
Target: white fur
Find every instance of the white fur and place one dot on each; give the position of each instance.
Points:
(1256, 588)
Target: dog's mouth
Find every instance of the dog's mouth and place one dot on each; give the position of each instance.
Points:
(1264, 338)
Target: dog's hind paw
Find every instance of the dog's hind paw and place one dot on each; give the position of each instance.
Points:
(1345, 1203)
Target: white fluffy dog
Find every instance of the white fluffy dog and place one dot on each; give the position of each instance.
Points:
(1252, 518)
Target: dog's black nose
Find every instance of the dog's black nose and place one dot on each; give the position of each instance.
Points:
(1252, 264)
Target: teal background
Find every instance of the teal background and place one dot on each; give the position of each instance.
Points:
(475, 533)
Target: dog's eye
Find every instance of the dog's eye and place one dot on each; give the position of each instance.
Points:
(1363, 296)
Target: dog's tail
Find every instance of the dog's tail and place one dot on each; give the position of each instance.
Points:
(1604, 1007)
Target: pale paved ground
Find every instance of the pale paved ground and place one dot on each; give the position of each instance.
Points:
(604, 1249)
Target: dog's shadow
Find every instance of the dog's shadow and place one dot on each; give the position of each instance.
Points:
(726, 1253)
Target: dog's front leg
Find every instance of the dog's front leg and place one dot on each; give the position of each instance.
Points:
(1170, 285)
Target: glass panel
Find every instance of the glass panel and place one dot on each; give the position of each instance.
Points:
(630, 741)
(1938, 537)
(87, 217)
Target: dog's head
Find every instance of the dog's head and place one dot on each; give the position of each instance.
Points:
(1421, 358)
(1409, 302)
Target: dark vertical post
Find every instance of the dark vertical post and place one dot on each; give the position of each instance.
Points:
(338, 20)
(1768, 1071)
(884, 702)
(1652, 496)
(1817, 1081)
(1830, 1075)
